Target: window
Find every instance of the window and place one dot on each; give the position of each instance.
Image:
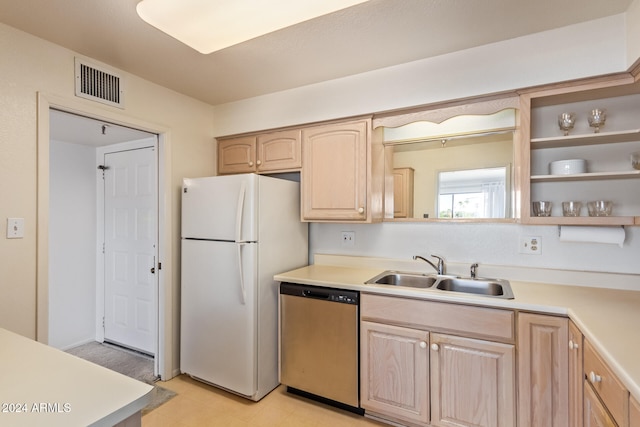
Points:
(473, 193)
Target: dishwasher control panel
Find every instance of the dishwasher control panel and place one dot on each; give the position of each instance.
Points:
(317, 292)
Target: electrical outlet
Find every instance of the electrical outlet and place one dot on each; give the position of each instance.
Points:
(530, 245)
(348, 238)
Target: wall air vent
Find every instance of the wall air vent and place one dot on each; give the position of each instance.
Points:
(98, 84)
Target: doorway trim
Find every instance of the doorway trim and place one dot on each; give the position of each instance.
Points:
(45, 102)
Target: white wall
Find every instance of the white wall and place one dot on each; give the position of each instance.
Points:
(32, 66)
(494, 244)
(72, 243)
(582, 50)
(633, 32)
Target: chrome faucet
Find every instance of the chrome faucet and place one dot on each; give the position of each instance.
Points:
(474, 268)
(439, 268)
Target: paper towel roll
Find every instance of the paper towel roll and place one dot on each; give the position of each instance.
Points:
(610, 235)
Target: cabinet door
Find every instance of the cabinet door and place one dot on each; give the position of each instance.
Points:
(472, 382)
(394, 375)
(634, 413)
(595, 415)
(334, 177)
(279, 151)
(403, 193)
(576, 376)
(237, 155)
(605, 384)
(543, 364)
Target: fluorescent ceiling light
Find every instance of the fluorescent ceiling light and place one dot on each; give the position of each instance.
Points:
(210, 25)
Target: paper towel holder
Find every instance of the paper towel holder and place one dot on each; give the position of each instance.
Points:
(560, 228)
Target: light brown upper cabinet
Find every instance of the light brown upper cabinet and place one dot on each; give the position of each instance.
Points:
(609, 174)
(403, 193)
(265, 153)
(337, 181)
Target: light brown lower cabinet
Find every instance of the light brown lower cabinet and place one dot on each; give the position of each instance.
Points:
(605, 385)
(543, 364)
(395, 372)
(634, 412)
(461, 381)
(595, 414)
(576, 376)
(472, 382)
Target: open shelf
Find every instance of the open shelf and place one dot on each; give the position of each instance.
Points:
(583, 220)
(590, 176)
(586, 139)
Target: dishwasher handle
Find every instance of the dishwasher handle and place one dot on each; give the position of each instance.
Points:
(316, 295)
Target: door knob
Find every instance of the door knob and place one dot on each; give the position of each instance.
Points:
(595, 378)
(435, 347)
(361, 210)
(423, 344)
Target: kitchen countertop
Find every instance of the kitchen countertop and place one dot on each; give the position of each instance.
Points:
(608, 318)
(43, 386)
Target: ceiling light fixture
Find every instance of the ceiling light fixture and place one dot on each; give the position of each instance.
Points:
(211, 25)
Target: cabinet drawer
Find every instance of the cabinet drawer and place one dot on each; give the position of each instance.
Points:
(634, 413)
(613, 394)
(488, 323)
(595, 415)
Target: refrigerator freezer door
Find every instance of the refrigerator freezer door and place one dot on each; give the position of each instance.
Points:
(218, 331)
(220, 208)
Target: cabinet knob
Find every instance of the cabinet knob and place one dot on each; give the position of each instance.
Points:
(250, 163)
(435, 347)
(573, 345)
(259, 162)
(361, 210)
(594, 377)
(423, 344)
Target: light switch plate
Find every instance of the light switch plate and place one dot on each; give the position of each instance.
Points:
(15, 228)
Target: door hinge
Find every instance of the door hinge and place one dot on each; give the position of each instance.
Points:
(102, 247)
(159, 266)
(102, 322)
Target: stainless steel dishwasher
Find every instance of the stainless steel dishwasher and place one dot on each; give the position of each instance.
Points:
(319, 344)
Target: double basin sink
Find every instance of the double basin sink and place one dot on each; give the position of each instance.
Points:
(496, 288)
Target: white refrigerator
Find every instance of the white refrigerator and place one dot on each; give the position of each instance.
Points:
(238, 231)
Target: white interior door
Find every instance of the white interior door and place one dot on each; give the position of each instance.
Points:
(130, 242)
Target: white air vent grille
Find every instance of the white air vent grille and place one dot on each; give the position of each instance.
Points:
(98, 84)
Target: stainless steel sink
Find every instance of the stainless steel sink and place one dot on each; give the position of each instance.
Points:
(488, 287)
(411, 280)
(496, 288)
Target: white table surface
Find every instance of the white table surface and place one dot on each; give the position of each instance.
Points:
(43, 386)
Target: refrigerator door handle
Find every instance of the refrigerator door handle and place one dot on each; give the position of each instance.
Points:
(240, 211)
(241, 271)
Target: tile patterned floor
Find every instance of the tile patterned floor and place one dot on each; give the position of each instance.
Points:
(200, 405)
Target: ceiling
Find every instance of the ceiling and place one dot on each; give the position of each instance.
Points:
(373, 35)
